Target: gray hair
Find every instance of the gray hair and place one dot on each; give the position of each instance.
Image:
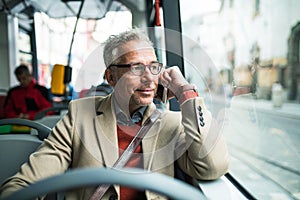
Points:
(116, 41)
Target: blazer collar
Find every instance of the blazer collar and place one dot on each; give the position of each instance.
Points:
(105, 125)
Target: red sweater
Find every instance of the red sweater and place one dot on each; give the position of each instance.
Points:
(27, 100)
(125, 136)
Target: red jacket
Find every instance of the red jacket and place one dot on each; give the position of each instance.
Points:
(27, 100)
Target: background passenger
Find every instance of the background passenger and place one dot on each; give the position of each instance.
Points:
(26, 99)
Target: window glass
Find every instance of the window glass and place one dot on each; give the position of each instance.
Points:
(24, 55)
(54, 38)
(254, 51)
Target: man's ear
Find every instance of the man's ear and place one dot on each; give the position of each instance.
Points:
(110, 77)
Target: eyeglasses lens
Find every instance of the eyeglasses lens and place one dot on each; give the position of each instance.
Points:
(138, 69)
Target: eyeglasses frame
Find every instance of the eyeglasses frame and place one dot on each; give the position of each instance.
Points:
(131, 64)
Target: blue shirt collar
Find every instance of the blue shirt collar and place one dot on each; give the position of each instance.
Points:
(123, 119)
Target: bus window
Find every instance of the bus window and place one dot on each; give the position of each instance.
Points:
(252, 83)
(54, 38)
(24, 47)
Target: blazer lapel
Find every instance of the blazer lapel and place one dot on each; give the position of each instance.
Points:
(105, 125)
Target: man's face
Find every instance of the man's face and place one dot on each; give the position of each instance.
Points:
(143, 88)
(24, 79)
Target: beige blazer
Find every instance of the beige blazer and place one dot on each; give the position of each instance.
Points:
(87, 137)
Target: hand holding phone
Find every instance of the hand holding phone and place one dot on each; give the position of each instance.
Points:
(172, 79)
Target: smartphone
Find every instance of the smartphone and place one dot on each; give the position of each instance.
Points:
(163, 94)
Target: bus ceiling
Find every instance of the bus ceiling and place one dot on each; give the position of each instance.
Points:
(144, 12)
(92, 9)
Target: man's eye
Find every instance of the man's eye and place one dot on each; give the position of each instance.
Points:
(154, 67)
(138, 67)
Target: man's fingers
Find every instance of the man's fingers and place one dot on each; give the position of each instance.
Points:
(165, 78)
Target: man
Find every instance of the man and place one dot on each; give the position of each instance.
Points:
(25, 100)
(97, 130)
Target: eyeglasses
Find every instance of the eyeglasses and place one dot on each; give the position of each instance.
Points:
(139, 68)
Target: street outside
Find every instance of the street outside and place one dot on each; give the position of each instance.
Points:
(264, 146)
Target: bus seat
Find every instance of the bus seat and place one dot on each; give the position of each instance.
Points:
(16, 148)
(49, 121)
(14, 151)
(59, 110)
(42, 130)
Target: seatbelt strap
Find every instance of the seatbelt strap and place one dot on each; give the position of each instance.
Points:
(123, 159)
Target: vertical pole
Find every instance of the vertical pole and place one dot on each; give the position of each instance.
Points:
(172, 21)
(33, 47)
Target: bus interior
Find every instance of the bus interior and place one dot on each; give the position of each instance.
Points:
(243, 56)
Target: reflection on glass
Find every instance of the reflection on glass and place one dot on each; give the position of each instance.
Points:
(256, 54)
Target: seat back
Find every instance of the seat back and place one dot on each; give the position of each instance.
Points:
(60, 111)
(14, 151)
(16, 148)
(42, 130)
(49, 121)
